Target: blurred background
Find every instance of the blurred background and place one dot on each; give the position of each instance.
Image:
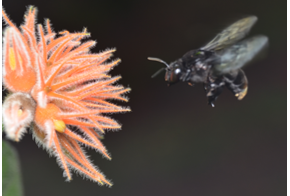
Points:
(173, 143)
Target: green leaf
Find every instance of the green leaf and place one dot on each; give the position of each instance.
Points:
(11, 175)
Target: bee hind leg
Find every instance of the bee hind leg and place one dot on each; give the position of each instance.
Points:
(237, 83)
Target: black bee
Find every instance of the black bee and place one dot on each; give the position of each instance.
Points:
(218, 63)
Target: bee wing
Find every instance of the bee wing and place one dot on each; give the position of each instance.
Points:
(232, 34)
(239, 54)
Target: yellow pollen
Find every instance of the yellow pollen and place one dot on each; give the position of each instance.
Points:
(64, 32)
(19, 112)
(48, 63)
(59, 125)
(242, 94)
(100, 182)
(12, 61)
(47, 89)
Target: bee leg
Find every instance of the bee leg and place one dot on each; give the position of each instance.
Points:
(213, 88)
(237, 83)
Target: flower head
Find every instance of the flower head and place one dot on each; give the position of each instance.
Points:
(60, 90)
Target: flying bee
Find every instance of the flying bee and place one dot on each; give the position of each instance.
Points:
(218, 63)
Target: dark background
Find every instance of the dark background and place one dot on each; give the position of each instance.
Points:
(173, 143)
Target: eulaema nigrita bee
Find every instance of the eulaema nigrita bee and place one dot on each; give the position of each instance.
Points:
(218, 63)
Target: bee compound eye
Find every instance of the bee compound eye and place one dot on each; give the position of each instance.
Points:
(177, 71)
(174, 76)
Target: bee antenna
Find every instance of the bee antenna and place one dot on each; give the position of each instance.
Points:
(158, 72)
(158, 60)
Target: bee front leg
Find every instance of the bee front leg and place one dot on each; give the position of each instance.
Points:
(213, 88)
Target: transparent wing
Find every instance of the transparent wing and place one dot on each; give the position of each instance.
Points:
(232, 34)
(239, 54)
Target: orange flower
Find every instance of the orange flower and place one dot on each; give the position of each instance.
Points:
(61, 90)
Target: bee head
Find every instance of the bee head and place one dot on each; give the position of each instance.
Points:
(173, 71)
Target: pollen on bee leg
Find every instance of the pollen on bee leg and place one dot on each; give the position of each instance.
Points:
(242, 94)
(59, 125)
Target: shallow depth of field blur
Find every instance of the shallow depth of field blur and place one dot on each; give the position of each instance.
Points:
(173, 143)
